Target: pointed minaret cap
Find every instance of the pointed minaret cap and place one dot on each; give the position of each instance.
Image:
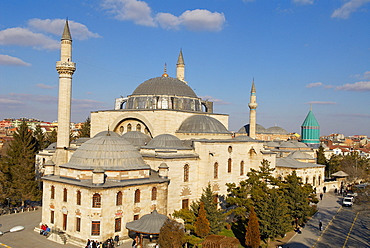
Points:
(253, 90)
(66, 33)
(180, 60)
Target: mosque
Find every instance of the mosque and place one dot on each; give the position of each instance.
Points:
(156, 150)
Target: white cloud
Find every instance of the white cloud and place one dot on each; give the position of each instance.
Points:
(201, 19)
(214, 100)
(366, 75)
(9, 60)
(311, 85)
(44, 86)
(358, 86)
(348, 8)
(25, 37)
(131, 10)
(140, 13)
(56, 26)
(322, 103)
(303, 2)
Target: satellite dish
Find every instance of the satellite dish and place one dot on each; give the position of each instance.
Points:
(16, 229)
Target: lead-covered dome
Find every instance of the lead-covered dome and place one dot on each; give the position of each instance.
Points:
(276, 130)
(164, 86)
(166, 141)
(136, 138)
(259, 129)
(202, 124)
(107, 152)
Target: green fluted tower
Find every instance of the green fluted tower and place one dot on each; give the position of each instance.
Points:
(310, 130)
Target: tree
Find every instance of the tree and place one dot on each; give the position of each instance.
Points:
(171, 235)
(52, 137)
(320, 156)
(252, 236)
(41, 142)
(19, 165)
(85, 129)
(202, 226)
(297, 194)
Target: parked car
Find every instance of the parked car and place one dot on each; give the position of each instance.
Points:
(347, 202)
(353, 195)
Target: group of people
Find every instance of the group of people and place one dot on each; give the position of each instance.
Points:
(45, 230)
(109, 243)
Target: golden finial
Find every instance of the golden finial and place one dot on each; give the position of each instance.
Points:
(165, 71)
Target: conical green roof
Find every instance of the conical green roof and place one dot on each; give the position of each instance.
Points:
(310, 121)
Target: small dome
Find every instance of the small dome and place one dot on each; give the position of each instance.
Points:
(287, 144)
(273, 144)
(245, 129)
(299, 144)
(166, 141)
(202, 124)
(164, 86)
(299, 155)
(136, 138)
(80, 141)
(276, 130)
(108, 153)
(105, 133)
(244, 138)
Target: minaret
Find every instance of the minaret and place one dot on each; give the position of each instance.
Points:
(180, 68)
(65, 68)
(252, 113)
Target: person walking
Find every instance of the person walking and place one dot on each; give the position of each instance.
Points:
(324, 189)
(320, 225)
(321, 195)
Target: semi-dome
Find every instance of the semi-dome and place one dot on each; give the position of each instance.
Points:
(166, 141)
(259, 129)
(107, 152)
(136, 138)
(164, 86)
(202, 124)
(276, 130)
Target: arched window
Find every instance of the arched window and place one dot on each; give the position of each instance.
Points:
(319, 182)
(129, 127)
(229, 161)
(230, 149)
(306, 180)
(78, 197)
(52, 192)
(96, 200)
(154, 193)
(215, 170)
(65, 194)
(138, 127)
(137, 196)
(186, 173)
(121, 129)
(242, 168)
(314, 181)
(119, 198)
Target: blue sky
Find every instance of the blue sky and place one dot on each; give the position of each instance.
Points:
(299, 52)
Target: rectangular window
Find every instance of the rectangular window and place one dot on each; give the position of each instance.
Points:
(52, 217)
(185, 203)
(95, 228)
(136, 217)
(117, 224)
(78, 224)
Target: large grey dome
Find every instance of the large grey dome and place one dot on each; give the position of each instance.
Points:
(276, 130)
(166, 141)
(108, 153)
(136, 138)
(164, 86)
(245, 129)
(202, 124)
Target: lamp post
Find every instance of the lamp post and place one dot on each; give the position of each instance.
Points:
(13, 229)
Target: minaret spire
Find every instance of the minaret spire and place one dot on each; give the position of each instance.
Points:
(65, 68)
(180, 68)
(252, 113)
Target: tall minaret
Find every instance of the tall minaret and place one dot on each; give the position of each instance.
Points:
(180, 68)
(252, 113)
(65, 68)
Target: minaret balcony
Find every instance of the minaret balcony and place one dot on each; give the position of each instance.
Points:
(66, 65)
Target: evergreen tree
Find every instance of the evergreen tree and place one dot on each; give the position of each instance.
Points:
(20, 162)
(171, 235)
(252, 236)
(41, 142)
(202, 227)
(238, 200)
(85, 129)
(298, 197)
(51, 137)
(320, 156)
